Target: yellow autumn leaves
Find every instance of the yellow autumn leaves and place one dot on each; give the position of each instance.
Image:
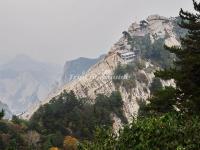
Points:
(69, 143)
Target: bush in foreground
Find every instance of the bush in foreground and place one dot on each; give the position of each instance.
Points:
(170, 131)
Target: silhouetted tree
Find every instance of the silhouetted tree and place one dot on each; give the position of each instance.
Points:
(2, 113)
(186, 69)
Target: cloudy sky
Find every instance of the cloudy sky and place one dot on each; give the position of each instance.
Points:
(60, 30)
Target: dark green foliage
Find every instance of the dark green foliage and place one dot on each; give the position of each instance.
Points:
(19, 121)
(171, 131)
(160, 130)
(128, 36)
(142, 78)
(68, 115)
(53, 140)
(143, 111)
(119, 72)
(180, 32)
(156, 85)
(11, 136)
(2, 113)
(159, 55)
(3, 127)
(162, 101)
(186, 69)
(16, 120)
(140, 64)
(129, 83)
(104, 139)
(153, 51)
(124, 75)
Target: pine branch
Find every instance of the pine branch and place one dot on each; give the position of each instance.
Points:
(196, 6)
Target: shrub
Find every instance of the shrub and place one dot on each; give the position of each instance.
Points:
(156, 85)
(129, 83)
(54, 148)
(70, 143)
(119, 72)
(2, 114)
(140, 64)
(142, 78)
(71, 116)
(170, 131)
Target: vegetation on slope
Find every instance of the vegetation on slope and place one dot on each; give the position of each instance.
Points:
(61, 123)
(67, 115)
(127, 75)
(170, 131)
(171, 119)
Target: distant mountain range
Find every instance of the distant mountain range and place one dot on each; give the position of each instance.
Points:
(24, 81)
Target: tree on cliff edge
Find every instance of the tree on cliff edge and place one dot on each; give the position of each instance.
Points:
(186, 70)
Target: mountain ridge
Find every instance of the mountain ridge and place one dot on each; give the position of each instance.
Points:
(23, 81)
(154, 29)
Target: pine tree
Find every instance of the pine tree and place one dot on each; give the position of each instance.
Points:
(2, 113)
(186, 70)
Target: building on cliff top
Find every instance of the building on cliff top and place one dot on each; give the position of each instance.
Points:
(127, 56)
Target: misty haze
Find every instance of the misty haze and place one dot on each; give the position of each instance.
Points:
(99, 74)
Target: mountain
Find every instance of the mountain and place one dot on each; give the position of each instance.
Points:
(24, 81)
(145, 39)
(77, 67)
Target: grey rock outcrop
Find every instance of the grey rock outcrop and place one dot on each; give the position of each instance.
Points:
(98, 78)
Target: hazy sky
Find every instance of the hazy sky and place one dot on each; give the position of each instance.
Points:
(59, 30)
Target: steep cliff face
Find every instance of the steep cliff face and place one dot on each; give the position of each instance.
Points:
(139, 37)
(76, 68)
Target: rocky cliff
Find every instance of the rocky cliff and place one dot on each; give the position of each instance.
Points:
(76, 68)
(148, 38)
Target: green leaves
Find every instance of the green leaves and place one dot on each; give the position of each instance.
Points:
(185, 70)
(69, 115)
(170, 131)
